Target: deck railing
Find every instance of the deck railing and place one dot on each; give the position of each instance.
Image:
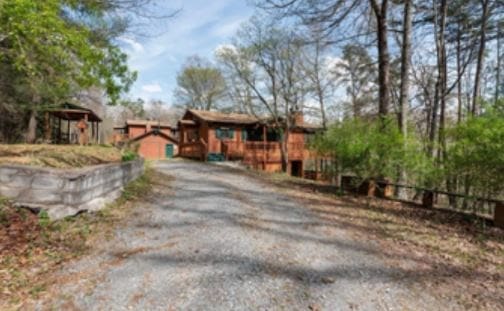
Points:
(192, 150)
(268, 151)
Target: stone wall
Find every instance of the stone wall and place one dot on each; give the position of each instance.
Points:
(67, 192)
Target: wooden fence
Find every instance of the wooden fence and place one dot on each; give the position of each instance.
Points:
(430, 198)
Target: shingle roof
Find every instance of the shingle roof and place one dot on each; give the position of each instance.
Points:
(145, 122)
(155, 132)
(213, 116)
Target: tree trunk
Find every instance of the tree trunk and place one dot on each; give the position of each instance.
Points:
(481, 55)
(284, 150)
(404, 96)
(320, 90)
(459, 74)
(31, 134)
(499, 64)
(439, 26)
(380, 12)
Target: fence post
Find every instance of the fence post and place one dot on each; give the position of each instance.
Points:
(385, 189)
(428, 199)
(499, 214)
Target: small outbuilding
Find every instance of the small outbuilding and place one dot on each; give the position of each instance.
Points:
(71, 124)
(157, 140)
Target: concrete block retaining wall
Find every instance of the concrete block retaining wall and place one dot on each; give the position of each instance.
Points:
(67, 192)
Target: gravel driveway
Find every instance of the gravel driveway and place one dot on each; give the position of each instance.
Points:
(220, 240)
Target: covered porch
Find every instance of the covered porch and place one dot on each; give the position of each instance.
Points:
(71, 124)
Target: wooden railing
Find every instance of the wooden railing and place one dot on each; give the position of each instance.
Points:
(191, 150)
(271, 151)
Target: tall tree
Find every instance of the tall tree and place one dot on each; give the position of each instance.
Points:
(268, 60)
(317, 69)
(200, 85)
(485, 12)
(380, 11)
(70, 49)
(405, 81)
(358, 73)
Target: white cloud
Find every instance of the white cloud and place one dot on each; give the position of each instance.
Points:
(152, 88)
(193, 31)
(136, 46)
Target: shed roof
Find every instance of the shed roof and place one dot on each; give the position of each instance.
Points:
(72, 112)
(220, 117)
(156, 133)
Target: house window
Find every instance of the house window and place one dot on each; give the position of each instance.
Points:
(224, 133)
(273, 135)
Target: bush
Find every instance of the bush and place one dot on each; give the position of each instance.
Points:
(374, 149)
(129, 155)
(476, 153)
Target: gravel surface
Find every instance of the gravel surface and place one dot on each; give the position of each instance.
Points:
(220, 240)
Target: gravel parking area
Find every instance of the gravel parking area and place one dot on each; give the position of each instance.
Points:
(221, 240)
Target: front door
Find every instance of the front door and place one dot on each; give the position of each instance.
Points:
(169, 151)
(297, 168)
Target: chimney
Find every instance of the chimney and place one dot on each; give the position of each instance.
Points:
(298, 118)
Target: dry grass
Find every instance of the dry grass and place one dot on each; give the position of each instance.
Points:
(31, 246)
(58, 156)
(449, 254)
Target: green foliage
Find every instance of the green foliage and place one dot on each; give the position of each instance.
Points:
(129, 155)
(53, 52)
(374, 149)
(477, 151)
(44, 219)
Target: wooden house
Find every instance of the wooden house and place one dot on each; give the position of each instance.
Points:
(216, 136)
(156, 140)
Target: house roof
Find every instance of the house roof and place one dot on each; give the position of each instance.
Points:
(147, 122)
(156, 132)
(187, 122)
(309, 128)
(220, 117)
(240, 118)
(72, 112)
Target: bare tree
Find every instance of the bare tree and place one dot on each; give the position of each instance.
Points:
(267, 60)
(318, 71)
(200, 85)
(405, 72)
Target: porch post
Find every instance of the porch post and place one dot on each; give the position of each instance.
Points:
(68, 132)
(59, 130)
(92, 132)
(98, 132)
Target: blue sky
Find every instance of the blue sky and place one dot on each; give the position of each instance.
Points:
(199, 28)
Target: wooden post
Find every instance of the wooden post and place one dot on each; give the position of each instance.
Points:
(92, 133)
(68, 131)
(499, 214)
(428, 199)
(98, 132)
(59, 130)
(385, 190)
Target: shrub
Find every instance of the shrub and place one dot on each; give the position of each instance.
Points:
(129, 155)
(476, 153)
(374, 149)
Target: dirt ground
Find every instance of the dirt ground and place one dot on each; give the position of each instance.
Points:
(220, 239)
(58, 156)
